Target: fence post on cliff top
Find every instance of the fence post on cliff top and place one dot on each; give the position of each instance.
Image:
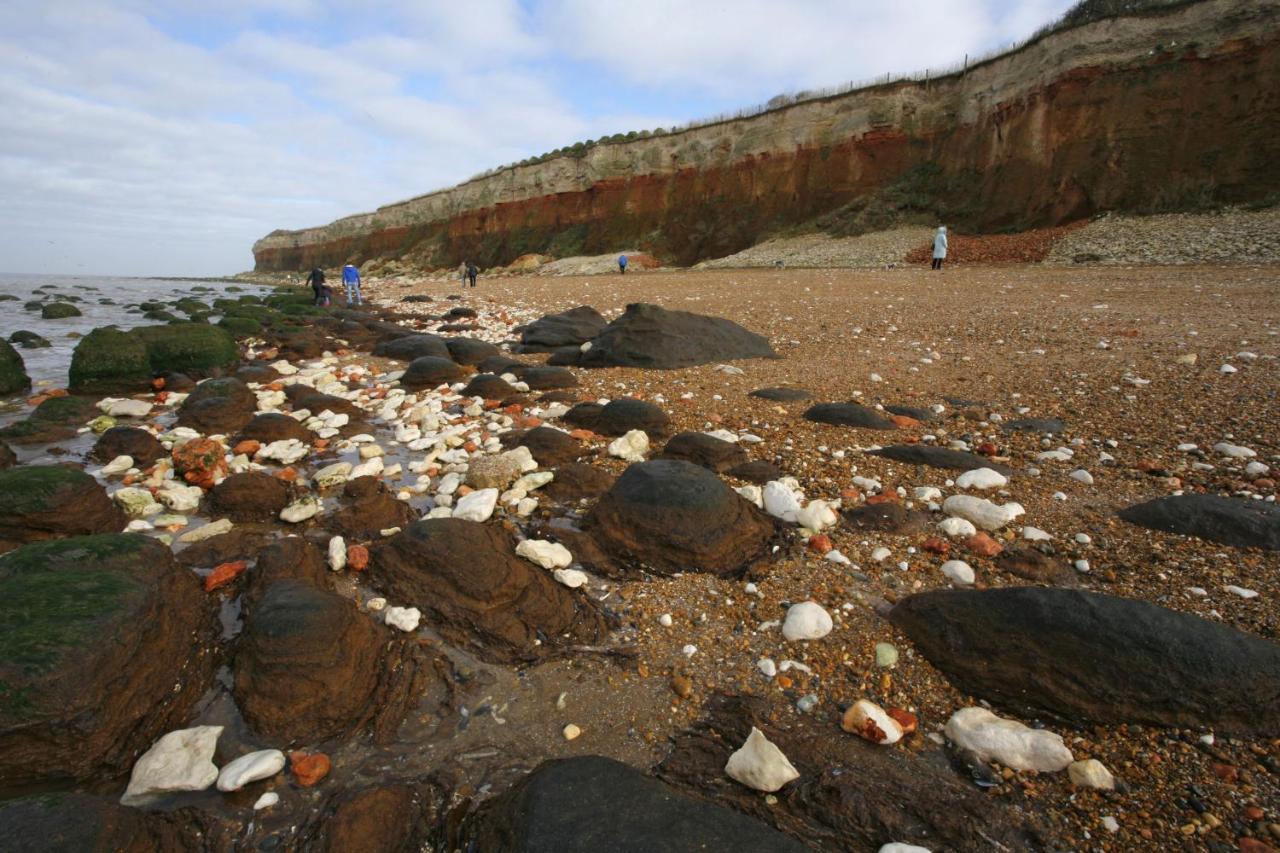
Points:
(965, 70)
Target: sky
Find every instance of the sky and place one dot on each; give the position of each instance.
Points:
(163, 137)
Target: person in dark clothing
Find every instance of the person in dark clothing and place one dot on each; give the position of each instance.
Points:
(472, 272)
(318, 287)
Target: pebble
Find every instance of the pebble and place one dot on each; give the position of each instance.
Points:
(881, 554)
(301, 510)
(1035, 534)
(266, 801)
(982, 478)
(181, 760)
(959, 572)
(1233, 451)
(1081, 476)
(1111, 824)
(1008, 741)
(886, 655)
(216, 528)
(631, 447)
(767, 667)
(870, 722)
(957, 527)
(571, 732)
(1091, 773)
(477, 506)
(117, 466)
(807, 620)
(900, 847)
(1241, 591)
(665, 620)
(406, 619)
(572, 578)
(548, 555)
(337, 553)
(760, 765)
(252, 767)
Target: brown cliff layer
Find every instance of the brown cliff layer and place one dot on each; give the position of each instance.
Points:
(1155, 112)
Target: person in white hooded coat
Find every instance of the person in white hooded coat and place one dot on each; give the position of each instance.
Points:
(939, 247)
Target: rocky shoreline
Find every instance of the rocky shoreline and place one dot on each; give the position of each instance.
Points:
(491, 568)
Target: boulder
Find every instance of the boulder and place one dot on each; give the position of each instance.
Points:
(619, 417)
(48, 501)
(13, 373)
(500, 364)
(68, 822)
(249, 496)
(273, 426)
(568, 328)
(55, 419)
(670, 516)
(310, 666)
(546, 378)
(848, 414)
(471, 350)
(59, 311)
(938, 457)
(180, 761)
(472, 588)
(911, 412)
(490, 387)
(316, 402)
(591, 803)
(108, 359)
(1237, 522)
(134, 442)
(218, 406)
(369, 510)
(1034, 565)
(1079, 656)
(781, 395)
(757, 471)
(577, 481)
(549, 446)
(714, 454)
(410, 347)
(106, 644)
(649, 336)
(429, 371)
(384, 819)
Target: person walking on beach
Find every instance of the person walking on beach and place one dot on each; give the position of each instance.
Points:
(939, 247)
(622, 264)
(472, 272)
(462, 272)
(351, 283)
(316, 280)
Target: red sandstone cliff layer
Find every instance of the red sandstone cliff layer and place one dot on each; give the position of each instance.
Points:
(1142, 113)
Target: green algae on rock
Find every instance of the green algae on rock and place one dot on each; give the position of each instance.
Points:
(108, 359)
(45, 501)
(13, 373)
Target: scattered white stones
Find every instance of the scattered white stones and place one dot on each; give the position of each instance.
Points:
(958, 572)
(1091, 773)
(981, 511)
(1035, 534)
(1241, 591)
(337, 553)
(476, 506)
(1233, 451)
(1081, 476)
(406, 619)
(957, 527)
(549, 555)
(807, 620)
(1008, 741)
(117, 466)
(179, 497)
(253, 767)
(665, 620)
(870, 722)
(300, 510)
(572, 578)
(760, 765)
(881, 554)
(117, 407)
(181, 760)
(767, 667)
(286, 451)
(982, 478)
(816, 516)
(780, 501)
(631, 447)
(266, 801)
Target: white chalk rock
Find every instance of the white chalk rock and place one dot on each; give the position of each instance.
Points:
(807, 621)
(136, 503)
(760, 765)
(121, 408)
(332, 475)
(216, 528)
(900, 847)
(981, 511)
(549, 555)
(982, 478)
(404, 618)
(1233, 451)
(287, 451)
(881, 554)
(1253, 469)
(337, 553)
(1091, 773)
(262, 764)
(767, 667)
(369, 468)
(266, 801)
(926, 493)
(476, 506)
(869, 721)
(300, 510)
(571, 578)
(179, 761)
(119, 465)
(816, 516)
(178, 497)
(1035, 534)
(1081, 476)
(631, 447)
(1008, 741)
(957, 527)
(958, 572)
(780, 501)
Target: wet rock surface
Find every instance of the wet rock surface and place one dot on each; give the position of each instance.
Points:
(382, 819)
(13, 373)
(473, 589)
(618, 417)
(848, 414)
(575, 482)
(592, 803)
(545, 378)
(48, 501)
(218, 406)
(653, 337)
(490, 387)
(273, 426)
(251, 496)
(1229, 521)
(106, 646)
(939, 457)
(143, 447)
(549, 446)
(669, 515)
(370, 509)
(568, 328)
(1082, 656)
(714, 454)
(75, 822)
(886, 518)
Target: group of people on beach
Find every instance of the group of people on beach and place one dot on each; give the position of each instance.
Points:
(467, 273)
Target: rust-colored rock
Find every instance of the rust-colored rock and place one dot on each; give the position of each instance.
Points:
(144, 447)
(983, 545)
(200, 461)
(371, 509)
(224, 574)
(357, 557)
(250, 496)
(309, 767)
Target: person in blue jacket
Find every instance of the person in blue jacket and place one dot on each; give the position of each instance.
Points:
(622, 264)
(351, 281)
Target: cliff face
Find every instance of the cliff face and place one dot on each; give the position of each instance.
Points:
(1152, 112)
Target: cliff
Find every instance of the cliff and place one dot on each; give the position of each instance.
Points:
(1158, 111)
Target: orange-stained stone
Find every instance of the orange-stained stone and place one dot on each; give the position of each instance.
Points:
(224, 574)
(906, 719)
(904, 422)
(358, 557)
(289, 475)
(248, 447)
(884, 498)
(820, 543)
(583, 435)
(983, 545)
(309, 767)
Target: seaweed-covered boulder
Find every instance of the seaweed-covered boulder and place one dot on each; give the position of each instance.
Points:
(249, 496)
(430, 371)
(13, 373)
(241, 327)
(274, 426)
(371, 508)
(108, 359)
(619, 417)
(59, 311)
(568, 328)
(218, 406)
(195, 348)
(55, 419)
(105, 646)
(7, 457)
(1080, 656)
(310, 666)
(490, 387)
(144, 447)
(670, 516)
(549, 446)
(471, 350)
(591, 803)
(28, 340)
(409, 347)
(1229, 521)
(848, 414)
(938, 457)
(474, 590)
(653, 337)
(545, 378)
(46, 501)
(712, 453)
